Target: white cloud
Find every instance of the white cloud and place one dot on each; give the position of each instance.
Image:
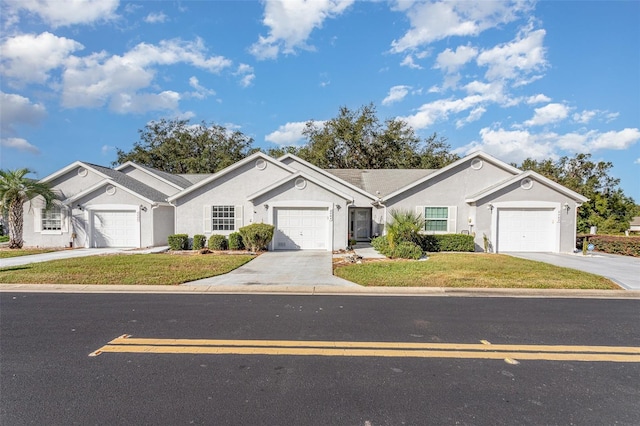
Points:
(585, 116)
(19, 144)
(64, 13)
(439, 110)
(246, 75)
(408, 62)
(291, 22)
(450, 61)
(201, 91)
(517, 59)
(551, 113)
(396, 94)
(289, 134)
(16, 109)
(436, 20)
(107, 149)
(538, 99)
(637, 161)
(156, 18)
(29, 58)
(474, 115)
(98, 79)
(517, 145)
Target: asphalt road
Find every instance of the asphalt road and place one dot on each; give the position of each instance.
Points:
(48, 377)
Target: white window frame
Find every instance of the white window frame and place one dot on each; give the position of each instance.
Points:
(40, 215)
(235, 218)
(451, 219)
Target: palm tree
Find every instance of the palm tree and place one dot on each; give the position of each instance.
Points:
(15, 190)
(406, 226)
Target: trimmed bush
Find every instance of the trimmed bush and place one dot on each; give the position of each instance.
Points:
(447, 242)
(178, 242)
(381, 244)
(257, 236)
(235, 241)
(626, 246)
(4, 238)
(407, 250)
(198, 242)
(218, 242)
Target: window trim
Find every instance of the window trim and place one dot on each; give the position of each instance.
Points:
(223, 218)
(450, 220)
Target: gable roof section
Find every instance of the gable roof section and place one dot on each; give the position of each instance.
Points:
(70, 167)
(380, 181)
(477, 154)
(295, 176)
(328, 173)
(151, 197)
(531, 174)
(176, 181)
(229, 169)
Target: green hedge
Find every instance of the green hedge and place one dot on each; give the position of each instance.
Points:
(447, 242)
(235, 241)
(4, 238)
(407, 250)
(178, 241)
(257, 236)
(627, 246)
(218, 242)
(199, 241)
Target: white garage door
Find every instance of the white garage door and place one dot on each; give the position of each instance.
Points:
(526, 230)
(115, 229)
(301, 228)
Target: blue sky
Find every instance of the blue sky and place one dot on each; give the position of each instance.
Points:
(516, 79)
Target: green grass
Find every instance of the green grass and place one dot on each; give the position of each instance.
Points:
(471, 270)
(6, 253)
(163, 269)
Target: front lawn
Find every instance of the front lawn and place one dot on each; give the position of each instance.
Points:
(470, 270)
(163, 269)
(6, 253)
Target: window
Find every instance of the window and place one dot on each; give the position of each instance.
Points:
(52, 219)
(223, 218)
(436, 219)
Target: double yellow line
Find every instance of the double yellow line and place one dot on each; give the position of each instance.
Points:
(485, 350)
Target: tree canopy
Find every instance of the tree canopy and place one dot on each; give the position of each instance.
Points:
(357, 139)
(175, 146)
(608, 208)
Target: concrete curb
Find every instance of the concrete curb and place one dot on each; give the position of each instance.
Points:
(321, 290)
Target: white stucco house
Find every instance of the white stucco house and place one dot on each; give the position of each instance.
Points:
(311, 208)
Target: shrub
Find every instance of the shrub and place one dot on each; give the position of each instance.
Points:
(4, 238)
(447, 242)
(198, 242)
(407, 250)
(381, 244)
(405, 226)
(178, 242)
(218, 242)
(627, 246)
(257, 236)
(235, 241)
(353, 242)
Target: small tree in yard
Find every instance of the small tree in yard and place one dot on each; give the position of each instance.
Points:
(15, 190)
(405, 226)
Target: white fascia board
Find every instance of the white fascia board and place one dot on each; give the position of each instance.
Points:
(477, 154)
(149, 172)
(229, 169)
(295, 176)
(100, 185)
(531, 174)
(329, 175)
(70, 167)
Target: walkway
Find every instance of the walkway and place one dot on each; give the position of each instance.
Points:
(299, 268)
(623, 270)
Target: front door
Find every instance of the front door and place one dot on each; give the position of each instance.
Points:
(360, 223)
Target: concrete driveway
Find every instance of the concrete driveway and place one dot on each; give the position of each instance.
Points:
(299, 268)
(69, 254)
(623, 270)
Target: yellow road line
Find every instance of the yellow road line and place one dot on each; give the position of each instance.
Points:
(350, 352)
(374, 345)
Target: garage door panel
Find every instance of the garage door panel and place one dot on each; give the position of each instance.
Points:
(115, 229)
(301, 228)
(528, 230)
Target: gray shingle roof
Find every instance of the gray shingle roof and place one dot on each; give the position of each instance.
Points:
(175, 179)
(130, 183)
(195, 178)
(380, 182)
